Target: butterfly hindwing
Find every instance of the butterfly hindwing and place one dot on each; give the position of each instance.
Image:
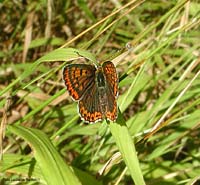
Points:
(111, 110)
(89, 105)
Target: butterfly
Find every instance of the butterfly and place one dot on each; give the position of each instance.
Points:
(95, 88)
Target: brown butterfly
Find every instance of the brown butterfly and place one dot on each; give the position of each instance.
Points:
(95, 88)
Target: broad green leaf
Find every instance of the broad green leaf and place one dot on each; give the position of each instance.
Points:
(23, 165)
(61, 54)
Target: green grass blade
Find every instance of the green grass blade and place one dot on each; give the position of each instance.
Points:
(53, 167)
(127, 149)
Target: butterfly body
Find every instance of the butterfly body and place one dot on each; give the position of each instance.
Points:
(95, 89)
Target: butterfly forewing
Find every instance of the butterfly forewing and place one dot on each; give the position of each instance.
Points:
(77, 78)
(111, 90)
(111, 77)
